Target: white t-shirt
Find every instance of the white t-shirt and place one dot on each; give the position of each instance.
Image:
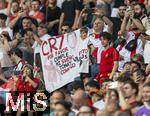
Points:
(99, 104)
(83, 44)
(147, 52)
(145, 22)
(36, 46)
(59, 3)
(97, 44)
(125, 53)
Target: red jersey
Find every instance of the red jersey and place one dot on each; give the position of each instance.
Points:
(26, 87)
(107, 60)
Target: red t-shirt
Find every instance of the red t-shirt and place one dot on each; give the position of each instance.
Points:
(26, 87)
(39, 16)
(95, 53)
(107, 60)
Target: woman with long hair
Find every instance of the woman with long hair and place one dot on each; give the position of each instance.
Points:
(25, 81)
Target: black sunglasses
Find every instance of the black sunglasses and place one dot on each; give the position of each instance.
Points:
(63, 29)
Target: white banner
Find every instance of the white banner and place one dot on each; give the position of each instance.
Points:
(63, 58)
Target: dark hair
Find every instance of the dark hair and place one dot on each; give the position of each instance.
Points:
(55, 2)
(142, 6)
(67, 105)
(6, 34)
(93, 83)
(3, 16)
(66, 24)
(84, 29)
(126, 63)
(27, 17)
(17, 52)
(43, 26)
(133, 85)
(122, 4)
(123, 78)
(78, 85)
(84, 75)
(31, 68)
(62, 93)
(116, 92)
(140, 72)
(135, 62)
(106, 35)
(139, 57)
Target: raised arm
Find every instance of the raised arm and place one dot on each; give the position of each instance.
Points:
(124, 105)
(123, 28)
(130, 20)
(109, 23)
(14, 21)
(35, 37)
(77, 12)
(139, 25)
(82, 15)
(115, 60)
(100, 13)
(9, 7)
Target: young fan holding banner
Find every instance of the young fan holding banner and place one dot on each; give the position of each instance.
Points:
(100, 24)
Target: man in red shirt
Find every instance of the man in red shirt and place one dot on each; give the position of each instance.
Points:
(109, 58)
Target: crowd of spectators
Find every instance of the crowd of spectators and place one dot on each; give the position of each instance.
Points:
(117, 34)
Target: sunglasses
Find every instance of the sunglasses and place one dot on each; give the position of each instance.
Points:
(63, 29)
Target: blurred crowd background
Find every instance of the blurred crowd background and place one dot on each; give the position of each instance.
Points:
(117, 34)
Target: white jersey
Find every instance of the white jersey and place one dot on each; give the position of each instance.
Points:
(147, 52)
(126, 53)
